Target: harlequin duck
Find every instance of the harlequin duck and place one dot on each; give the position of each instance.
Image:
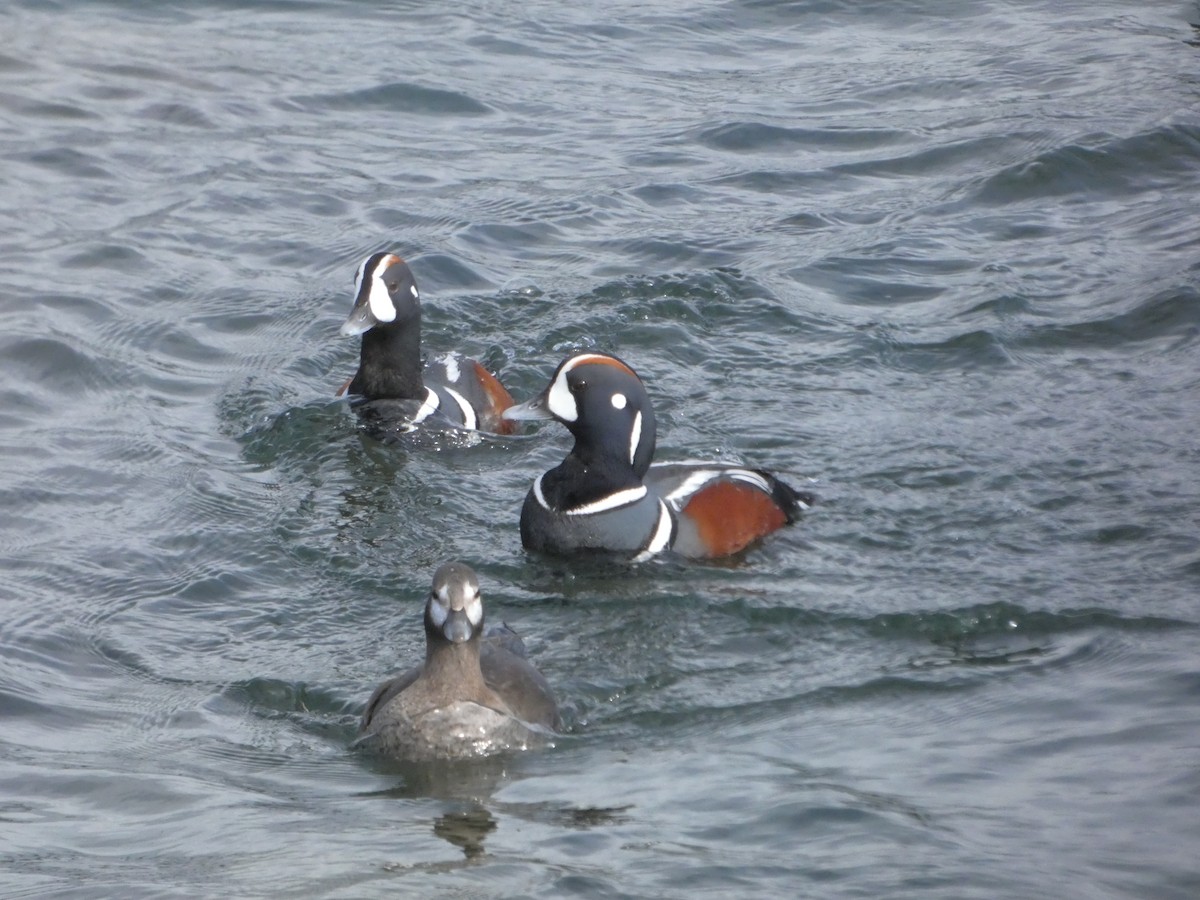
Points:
(473, 695)
(607, 495)
(390, 386)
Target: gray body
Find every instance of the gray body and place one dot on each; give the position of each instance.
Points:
(470, 697)
(629, 528)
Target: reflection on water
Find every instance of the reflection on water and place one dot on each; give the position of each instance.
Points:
(466, 789)
(466, 830)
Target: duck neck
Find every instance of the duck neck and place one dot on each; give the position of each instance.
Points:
(585, 477)
(451, 663)
(389, 365)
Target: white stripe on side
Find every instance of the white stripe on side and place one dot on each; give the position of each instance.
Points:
(691, 484)
(751, 478)
(697, 480)
(663, 533)
(470, 420)
(428, 408)
(615, 500)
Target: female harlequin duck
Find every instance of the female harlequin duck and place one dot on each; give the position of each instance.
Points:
(389, 386)
(473, 695)
(606, 495)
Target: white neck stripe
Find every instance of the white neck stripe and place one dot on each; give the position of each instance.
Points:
(615, 500)
(539, 496)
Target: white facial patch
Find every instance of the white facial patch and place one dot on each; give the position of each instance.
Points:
(475, 610)
(438, 610)
(379, 300)
(635, 436)
(619, 400)
(560, 401)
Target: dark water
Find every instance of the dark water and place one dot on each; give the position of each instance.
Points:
(943, 258)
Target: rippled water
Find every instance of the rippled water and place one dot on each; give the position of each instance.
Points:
(941, 258)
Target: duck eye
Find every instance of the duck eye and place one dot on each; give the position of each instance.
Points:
(392, 285)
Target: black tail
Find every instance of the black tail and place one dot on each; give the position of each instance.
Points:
(790, 500)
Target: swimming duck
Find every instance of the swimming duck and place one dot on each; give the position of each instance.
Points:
(608, 494)
(473, 695)
(390, 388)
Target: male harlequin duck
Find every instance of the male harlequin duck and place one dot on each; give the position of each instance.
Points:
(473, 695)
(389, 385)
(607, 495)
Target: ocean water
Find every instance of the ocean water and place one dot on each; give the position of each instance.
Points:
(937, 262)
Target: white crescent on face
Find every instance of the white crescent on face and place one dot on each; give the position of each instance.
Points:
(439, 611)
(475, 609)
(379, 300)
(560, 401)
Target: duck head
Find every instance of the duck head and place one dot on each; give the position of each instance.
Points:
(385, 293)
(454, 610)
(604, 404)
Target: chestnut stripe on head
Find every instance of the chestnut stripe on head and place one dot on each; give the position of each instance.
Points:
(559, 399)
(596, 359)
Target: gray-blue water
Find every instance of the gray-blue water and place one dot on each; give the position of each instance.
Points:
(941, 258)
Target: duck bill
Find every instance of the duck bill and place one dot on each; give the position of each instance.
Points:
(531, 410)
(457, 627)
(361, 319)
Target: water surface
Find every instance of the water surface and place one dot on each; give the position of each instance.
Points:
(938, 262)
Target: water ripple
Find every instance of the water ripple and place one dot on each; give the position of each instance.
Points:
(940, 258)
(399, 96)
